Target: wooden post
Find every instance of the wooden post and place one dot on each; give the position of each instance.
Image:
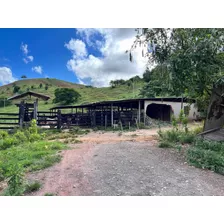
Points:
(139, 111)
(21, 114)
(121, 126)
(35, 109)
(106, 121)
(112, 116)
(59, 119)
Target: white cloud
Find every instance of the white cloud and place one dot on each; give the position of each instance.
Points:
(6, 76)
(28, 58)
(77, 47)
(24, 48)
(112, 64)
(37, 69)
(25, 60)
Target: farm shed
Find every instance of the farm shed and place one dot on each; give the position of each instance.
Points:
(128, 112)
(163, 108)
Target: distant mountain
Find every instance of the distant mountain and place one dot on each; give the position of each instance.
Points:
(88, 94)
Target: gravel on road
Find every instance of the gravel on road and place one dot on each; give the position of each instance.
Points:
(107, 166)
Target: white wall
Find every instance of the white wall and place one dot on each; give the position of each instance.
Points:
(176, 107)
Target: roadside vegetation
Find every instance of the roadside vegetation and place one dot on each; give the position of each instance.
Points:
(24, 151)
(66, 137)
(199, 152)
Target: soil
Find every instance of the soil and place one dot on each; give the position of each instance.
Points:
(107, 163)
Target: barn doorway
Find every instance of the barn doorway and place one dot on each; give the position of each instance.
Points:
(159, 111)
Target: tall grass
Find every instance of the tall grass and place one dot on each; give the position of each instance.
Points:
(23, 151)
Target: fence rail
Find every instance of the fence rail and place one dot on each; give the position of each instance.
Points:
(9, 114)
(9, 120)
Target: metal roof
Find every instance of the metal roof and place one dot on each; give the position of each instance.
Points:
(29, 93)
(104, 103)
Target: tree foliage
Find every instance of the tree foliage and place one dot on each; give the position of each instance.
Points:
(66, 96)
(193, 59)
(16, 89)
(23, 77)
(157, 83)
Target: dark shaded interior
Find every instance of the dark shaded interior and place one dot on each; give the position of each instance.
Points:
(159, 111)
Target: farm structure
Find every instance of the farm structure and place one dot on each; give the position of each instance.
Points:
(27, 111)
(126, 112)
(123, 113)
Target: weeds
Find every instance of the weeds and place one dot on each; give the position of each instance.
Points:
(178, 134)
(49, 194)
(31, 187)
(207, 155)
(24, 151)
(165, 144)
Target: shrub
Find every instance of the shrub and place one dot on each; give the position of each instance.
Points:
(8, 142)
(3, 134)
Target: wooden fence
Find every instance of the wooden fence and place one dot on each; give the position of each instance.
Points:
(9, 120)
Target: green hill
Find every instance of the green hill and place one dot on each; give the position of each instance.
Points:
(88, 94)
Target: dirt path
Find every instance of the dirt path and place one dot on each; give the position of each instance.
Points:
(130, 164)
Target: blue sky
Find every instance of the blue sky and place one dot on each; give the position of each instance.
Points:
(89, 56)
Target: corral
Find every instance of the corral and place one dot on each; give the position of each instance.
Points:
(122, 113)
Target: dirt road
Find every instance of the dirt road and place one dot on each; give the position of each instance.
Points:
(130, 164)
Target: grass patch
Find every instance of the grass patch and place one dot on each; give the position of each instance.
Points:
(176, 136)
(207, 155)
(165, 144)
(30, 156)
(22, 151)
(31, 187)
(49, 194)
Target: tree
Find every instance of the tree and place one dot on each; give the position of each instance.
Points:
(66, 96)
(193, 58)
(46, 87)
(157, 83)
(41, 85)
(23, 77)
(16, 89)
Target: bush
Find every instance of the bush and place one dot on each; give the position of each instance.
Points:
(3, 134)
(29, 135)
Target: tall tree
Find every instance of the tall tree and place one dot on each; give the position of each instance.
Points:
(193, 58)
(66, 96)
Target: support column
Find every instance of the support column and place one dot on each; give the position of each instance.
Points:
(112, 115)
(144, 113)
(35, 109)
(139, 111)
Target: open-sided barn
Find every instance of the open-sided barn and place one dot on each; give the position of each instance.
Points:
(128, 111)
